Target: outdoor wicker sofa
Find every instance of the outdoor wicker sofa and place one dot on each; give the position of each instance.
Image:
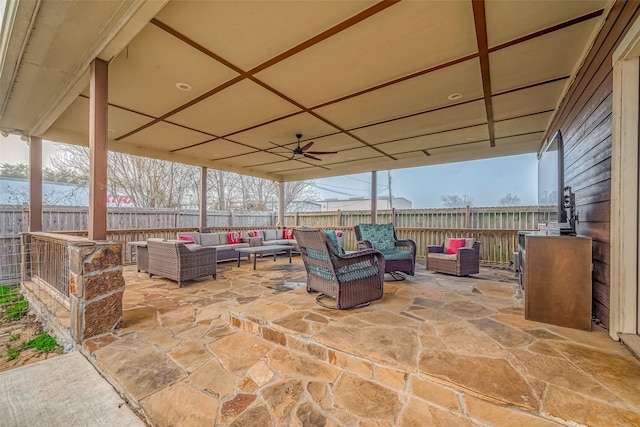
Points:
(177, 261)
(399, 255)
(352, 280)
(465, 260)
(219, 240)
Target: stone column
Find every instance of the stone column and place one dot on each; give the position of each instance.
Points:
(96, 286)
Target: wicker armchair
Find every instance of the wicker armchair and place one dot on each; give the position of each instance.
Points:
(464, 262)
(399, 255)
(179, 262)
(352, 280)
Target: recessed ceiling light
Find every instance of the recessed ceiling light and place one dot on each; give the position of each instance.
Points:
(111, 130)
(183, 86)
(472, 138)
(350, 158)
(454, 96)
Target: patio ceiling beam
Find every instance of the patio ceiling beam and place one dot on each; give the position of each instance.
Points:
(483, 50)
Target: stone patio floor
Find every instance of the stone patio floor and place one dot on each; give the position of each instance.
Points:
(254, 349)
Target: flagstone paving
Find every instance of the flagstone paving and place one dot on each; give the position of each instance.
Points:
(252, 348)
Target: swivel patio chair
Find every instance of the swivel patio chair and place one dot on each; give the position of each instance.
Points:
(459, 257)
(399, 255)
(177, 261)
(352, 280)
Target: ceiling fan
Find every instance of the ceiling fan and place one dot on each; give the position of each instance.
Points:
(302, 151)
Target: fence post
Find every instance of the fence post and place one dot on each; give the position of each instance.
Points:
(296, 219)
(393, 216)
(339, 218)
(25, 219)
(467, 217)
(231, 219)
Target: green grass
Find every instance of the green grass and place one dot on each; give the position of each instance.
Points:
(12, 353)
(10, 294)
(43, 342)
(17, 310)
(14, 304)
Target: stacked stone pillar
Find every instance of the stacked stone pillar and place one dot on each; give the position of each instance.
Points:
(96, 286)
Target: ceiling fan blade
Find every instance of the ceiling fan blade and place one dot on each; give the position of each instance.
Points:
(307, 146)
(310, 156)
(322, 152)
(293, 156)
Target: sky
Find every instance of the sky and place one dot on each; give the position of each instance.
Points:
(484, 181)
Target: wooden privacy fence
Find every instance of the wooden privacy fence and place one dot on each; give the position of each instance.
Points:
(14, 219)
(502, 217)
(495, 227)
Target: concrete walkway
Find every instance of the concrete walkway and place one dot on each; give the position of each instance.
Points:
(61, 391)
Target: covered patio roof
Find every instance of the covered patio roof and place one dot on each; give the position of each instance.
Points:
(385, 84)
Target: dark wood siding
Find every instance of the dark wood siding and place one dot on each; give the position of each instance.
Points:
(585, 118)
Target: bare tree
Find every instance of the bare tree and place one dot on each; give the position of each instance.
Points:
(155, 183)
(222, 188)
(149, 182)
(510, 200)
(297, 191)
(455, 201)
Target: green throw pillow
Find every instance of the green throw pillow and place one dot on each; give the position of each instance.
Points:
(331, 234)
(380, 235)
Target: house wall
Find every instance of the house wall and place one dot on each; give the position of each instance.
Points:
(585, 119)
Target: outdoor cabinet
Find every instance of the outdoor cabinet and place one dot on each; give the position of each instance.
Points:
(556, 273)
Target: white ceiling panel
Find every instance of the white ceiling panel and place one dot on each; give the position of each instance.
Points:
(143, 77)
(238, 107)
(512, 19)
(522, 125)
(248, 33)
(165, 136)
(253, 159)
(334, 142)
(366, 54)
(76, 119)
(283, 132)
(536, 60)
(527, 101)
(427, 142)
(411, 96)
(348, 155)
(217, 149)
(469, 114)
(532, 139)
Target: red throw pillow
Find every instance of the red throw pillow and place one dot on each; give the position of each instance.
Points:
(234, 237)
(338, 233)
(254, 233)
(454, 245)
(288, 234)
(187, 239)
